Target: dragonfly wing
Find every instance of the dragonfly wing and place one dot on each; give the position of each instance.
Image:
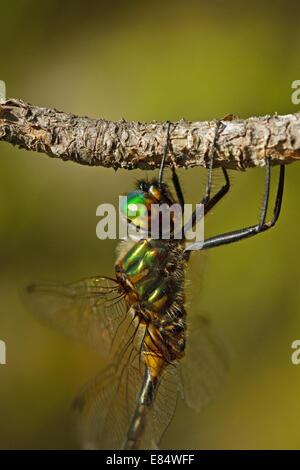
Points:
(107, 405)
(163, 409)
(88, 311)
(99, 413)
(204, 366)
(104, 409)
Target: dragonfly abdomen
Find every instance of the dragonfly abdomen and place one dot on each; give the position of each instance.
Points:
(146, 398)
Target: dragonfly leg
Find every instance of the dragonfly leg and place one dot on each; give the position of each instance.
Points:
(207, 201)
(219, 128)
(218, 196)
(161, 170)
(177, 187)
(175, 178)
(237, 235)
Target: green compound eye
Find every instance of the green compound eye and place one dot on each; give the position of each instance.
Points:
(134, 205)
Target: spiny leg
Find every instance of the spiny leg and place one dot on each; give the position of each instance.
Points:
(278, 201)
(208, 202)
(218, 196)
(237, 235)
(175, 179)
(219, 128)
(177, 187)
(161, 170)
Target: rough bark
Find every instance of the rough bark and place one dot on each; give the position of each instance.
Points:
(243, 143)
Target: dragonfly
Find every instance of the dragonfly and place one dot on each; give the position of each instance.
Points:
(139, 317)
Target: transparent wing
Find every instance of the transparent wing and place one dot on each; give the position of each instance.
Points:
(204, 366)
(163, 408)
(89, 311)
(105, 408)
(100, 412)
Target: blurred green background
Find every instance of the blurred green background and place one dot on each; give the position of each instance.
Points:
(143, 61)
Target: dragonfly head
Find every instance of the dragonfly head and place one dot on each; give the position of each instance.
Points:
(139, 206)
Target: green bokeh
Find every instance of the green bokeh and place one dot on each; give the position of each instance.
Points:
(144, 61)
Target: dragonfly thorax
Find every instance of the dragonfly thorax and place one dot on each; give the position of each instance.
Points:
(151, 273)
(154, 270)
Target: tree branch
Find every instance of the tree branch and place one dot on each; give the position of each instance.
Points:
(242, 143)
